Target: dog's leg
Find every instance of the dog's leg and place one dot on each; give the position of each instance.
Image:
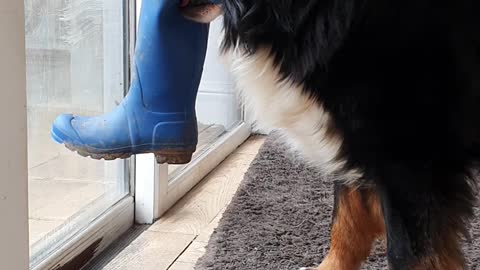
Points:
(357, 222)
(421, 234)
(411, 248)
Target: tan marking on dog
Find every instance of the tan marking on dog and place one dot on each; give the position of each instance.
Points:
(355, 228)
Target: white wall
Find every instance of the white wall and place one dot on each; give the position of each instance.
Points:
(13, 139)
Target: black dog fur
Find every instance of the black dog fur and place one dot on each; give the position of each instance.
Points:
(401, 80)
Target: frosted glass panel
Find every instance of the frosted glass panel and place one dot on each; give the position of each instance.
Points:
(75, 64)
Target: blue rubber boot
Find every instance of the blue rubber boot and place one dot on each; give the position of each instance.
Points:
(158, 113)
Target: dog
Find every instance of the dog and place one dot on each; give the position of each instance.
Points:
(385, 95)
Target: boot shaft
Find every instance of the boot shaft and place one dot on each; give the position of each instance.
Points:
(169, 57)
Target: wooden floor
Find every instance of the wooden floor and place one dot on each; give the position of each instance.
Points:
(177, 240)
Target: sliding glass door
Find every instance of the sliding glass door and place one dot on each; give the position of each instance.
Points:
(78, 55)
(76, 63)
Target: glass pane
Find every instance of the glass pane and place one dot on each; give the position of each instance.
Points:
(75, 64)
(218, 106)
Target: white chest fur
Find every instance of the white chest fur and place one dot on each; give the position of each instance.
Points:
(281, 105)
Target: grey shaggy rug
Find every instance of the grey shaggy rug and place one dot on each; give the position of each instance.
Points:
(280, 219)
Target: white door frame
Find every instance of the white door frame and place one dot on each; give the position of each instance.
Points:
(14, 244)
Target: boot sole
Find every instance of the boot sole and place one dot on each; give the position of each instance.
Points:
(169, 156)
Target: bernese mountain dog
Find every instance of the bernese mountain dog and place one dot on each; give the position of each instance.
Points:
(383, 94)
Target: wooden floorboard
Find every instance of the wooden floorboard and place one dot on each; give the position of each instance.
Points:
(178, 239)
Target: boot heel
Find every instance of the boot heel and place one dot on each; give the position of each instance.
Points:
(173, 157)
